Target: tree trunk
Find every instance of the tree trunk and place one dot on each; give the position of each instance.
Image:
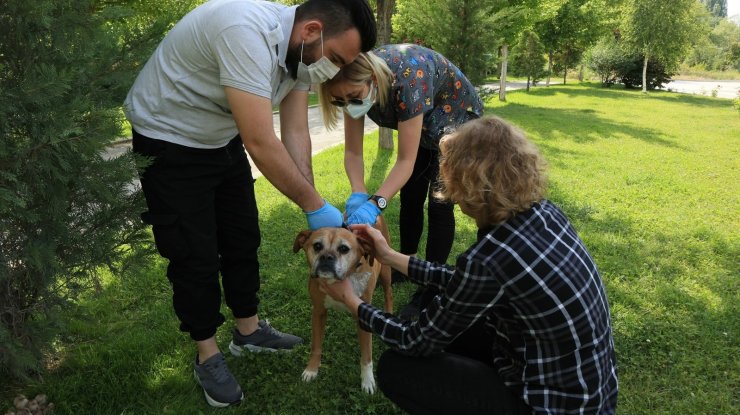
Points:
(504, 63)
(565, 73)
(549, 67)
(580, 73)
(528, 78)
(644, 74)
(385, 11)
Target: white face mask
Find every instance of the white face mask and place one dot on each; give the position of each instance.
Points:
(320, 71)
(358, 110)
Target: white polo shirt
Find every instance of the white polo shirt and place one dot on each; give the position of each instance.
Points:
(179, 94)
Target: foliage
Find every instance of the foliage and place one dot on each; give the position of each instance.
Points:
(716, 7)
(467, 37)
(576, 25)
(629, 71)
(661, 29)
(65, 209)
(719, 50)
(603, 58)
(528, 58)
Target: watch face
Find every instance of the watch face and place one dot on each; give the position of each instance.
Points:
(381, 202)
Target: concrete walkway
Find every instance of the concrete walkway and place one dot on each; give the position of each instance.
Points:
(724, 89)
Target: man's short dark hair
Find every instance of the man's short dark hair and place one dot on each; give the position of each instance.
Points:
(339, 16)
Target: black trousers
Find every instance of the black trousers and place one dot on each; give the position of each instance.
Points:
(203, 213)
(441, 218)
(446, 383)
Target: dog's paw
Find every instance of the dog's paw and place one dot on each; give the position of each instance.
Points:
(368, 380)
(309, 375)
(368, 385)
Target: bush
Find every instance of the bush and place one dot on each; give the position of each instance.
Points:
(65, 210)
(629, 72)
(604, 58)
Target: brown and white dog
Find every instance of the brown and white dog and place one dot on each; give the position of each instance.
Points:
(337, 254)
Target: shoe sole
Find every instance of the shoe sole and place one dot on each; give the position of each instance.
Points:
(239, 351)
(214, 403)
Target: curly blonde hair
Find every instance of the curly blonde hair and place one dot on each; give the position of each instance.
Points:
(365, 68)
(491, 170)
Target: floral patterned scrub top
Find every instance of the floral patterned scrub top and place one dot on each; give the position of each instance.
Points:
(426, 82)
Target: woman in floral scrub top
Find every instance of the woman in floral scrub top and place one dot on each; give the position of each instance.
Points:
(423, 95)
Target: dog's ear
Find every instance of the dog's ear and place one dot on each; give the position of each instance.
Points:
(300, 239)
(368, 250)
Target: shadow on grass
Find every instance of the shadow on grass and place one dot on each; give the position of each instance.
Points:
(582, 126)
(674, 315)
(618, 92)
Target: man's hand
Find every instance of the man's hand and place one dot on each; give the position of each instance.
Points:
(326, 216)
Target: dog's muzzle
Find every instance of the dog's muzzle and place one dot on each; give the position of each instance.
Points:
(326, 267)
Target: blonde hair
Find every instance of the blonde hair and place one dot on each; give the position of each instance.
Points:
(491, 168)
(361, 71)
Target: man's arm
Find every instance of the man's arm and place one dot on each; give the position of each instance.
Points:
(294, 131)
(253, 116)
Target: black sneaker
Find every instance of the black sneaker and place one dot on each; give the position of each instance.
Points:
(219, 385)
(266, 338)
(411, 310)
(397, 277)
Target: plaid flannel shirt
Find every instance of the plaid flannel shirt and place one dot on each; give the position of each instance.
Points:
(537, 289)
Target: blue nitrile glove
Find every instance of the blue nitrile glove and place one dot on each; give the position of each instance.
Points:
(325, 216)
(356, 199)
(366, 213)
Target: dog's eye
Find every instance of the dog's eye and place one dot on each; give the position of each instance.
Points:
(343, 249)
(318, 246)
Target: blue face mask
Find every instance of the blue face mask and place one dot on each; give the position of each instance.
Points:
(356, 111)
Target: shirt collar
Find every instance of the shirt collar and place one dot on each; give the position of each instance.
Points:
(287, 18)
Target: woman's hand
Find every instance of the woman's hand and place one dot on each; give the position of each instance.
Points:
(341, 290)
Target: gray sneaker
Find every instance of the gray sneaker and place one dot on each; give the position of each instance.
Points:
(266, 338)
(219, 386)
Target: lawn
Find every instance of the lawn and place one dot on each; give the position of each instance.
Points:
(651, 183)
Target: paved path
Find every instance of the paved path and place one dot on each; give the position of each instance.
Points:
(725, 89)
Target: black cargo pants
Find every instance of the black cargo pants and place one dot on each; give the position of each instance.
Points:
(203, 214)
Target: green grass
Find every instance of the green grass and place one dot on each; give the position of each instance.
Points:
(650, 183)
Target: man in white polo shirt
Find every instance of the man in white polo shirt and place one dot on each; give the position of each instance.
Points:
(204, 96)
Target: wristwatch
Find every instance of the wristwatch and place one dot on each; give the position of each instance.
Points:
(380, 200)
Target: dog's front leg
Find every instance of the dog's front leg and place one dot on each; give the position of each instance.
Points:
(366, 360)
(318, 326)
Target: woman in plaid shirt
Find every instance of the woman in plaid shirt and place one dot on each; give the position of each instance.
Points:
(527, 292)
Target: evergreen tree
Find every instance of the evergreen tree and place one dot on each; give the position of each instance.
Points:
(529, 58)
(65, 209)
(466, 37)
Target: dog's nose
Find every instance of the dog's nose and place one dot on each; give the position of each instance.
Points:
(327, 257)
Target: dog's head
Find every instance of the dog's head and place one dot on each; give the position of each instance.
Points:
(333, 253)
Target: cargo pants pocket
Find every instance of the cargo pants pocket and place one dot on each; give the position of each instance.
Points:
(168, 235)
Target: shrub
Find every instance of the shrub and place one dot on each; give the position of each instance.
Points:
(604, 58)
(629, 71)
(65, 210)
